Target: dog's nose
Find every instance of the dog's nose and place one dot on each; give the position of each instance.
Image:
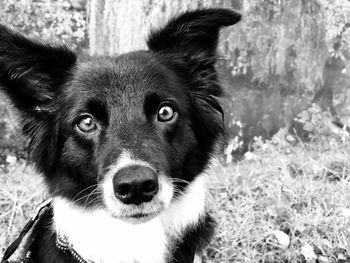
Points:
(135, 184)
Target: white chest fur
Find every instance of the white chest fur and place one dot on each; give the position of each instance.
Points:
(98, 237)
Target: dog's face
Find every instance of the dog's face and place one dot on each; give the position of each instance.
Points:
(126, 133)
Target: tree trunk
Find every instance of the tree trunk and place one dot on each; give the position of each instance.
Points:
(324, 97)
(119, 26)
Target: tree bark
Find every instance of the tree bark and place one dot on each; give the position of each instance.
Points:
(119, 26)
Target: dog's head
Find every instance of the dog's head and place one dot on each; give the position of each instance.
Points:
(127, 133)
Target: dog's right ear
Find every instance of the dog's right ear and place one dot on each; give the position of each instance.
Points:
(31, 72)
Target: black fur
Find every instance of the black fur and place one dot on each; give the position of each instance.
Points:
(51, 88)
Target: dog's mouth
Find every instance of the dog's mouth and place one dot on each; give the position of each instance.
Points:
(140, 217)
(139, 213)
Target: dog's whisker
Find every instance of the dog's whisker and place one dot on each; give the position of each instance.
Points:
(179, 180)
(177, 191)
(91, 201)
(93, 192)
(85, 189)
(81, 198)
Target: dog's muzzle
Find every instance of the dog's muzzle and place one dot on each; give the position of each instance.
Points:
(135, 184)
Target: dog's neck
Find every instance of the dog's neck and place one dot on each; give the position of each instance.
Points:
(98, 237)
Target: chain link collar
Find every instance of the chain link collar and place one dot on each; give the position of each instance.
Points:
(63, 245)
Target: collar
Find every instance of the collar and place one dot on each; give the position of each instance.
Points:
(30, 224)
(65, 246)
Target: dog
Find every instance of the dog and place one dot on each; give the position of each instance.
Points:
(123, 143)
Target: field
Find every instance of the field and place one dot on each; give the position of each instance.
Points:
(281, 203)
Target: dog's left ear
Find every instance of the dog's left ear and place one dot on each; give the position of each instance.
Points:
(192, 38)
(194, 34)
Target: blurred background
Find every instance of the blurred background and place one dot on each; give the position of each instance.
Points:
(282, 193)
(286, 62)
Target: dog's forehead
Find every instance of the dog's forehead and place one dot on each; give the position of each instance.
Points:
(124, 83)
(132, 73)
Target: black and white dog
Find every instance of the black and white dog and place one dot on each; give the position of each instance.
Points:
(123, 142)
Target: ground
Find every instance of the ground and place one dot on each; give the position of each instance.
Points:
(281, 203)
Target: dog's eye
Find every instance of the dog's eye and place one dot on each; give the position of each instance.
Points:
(166, 112)
(86, 124)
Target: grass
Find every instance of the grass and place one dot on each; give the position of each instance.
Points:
(20, 192)
(302, 190)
